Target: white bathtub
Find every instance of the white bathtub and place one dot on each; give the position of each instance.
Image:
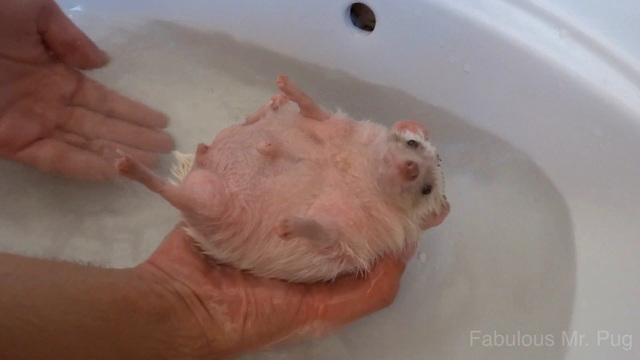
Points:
(534, 106)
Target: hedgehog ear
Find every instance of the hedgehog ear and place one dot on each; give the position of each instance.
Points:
(432, 220)
(412, 126)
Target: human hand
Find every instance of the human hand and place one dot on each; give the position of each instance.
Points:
(233, 312)
(51, 115)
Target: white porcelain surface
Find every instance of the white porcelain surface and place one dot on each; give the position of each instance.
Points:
(534, 106)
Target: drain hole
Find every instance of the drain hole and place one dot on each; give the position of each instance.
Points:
(362, 17)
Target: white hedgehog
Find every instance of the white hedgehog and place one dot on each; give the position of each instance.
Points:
(302, 194)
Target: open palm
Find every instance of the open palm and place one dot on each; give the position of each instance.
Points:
(55, 118)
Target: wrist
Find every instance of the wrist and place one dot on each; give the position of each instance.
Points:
(174, 313)
(66, 310)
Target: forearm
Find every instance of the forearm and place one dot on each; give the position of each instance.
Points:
(53, 309)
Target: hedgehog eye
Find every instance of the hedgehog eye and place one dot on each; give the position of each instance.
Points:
(426, 190)
(412, 144)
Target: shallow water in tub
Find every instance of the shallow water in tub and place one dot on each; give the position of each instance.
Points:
(502, 264)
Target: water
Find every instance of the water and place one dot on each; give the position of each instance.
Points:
(504, 259)
(563, 33)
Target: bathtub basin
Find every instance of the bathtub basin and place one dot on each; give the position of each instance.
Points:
(534, 107)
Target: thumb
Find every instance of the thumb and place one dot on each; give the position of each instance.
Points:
(67, 42)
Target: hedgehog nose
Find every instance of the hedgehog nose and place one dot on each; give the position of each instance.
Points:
(410, 170)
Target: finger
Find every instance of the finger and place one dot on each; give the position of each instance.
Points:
(56, 157)
(68, 42)
(96, 97)
(94, 126)
(108, 150)
(350, 298)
